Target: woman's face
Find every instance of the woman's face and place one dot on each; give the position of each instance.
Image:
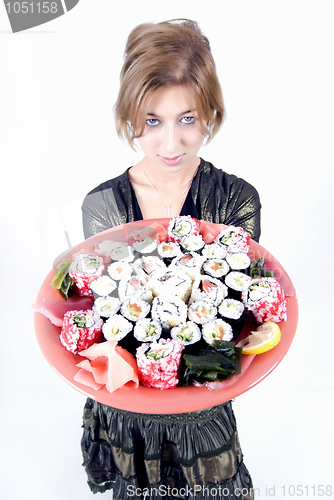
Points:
(173, 134)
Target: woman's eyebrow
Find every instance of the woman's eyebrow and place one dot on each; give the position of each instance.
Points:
(183, 113)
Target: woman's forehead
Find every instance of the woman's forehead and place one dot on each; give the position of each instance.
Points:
(174, 100)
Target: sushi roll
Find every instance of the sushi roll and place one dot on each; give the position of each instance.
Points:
(232, 312)
(122, 252)
(180, 226)
(234, 239)
(201, 311)
(119, 270)
(135, 309)
(148, 246)
(167, 251)
(214, 251)
(239, 261)
(103, 286)
(147, 330)
(134, 286)
(106, 306)
(116, 328)
(172, 282)
(190, 263)
(192, 243)
(80, 330)
(217, 330)
(209, 289)
(159, 363)
(171, 311)
(119, 328)
(148, 266)
(216, 268)
(236, 283)
(265, 299)
(84, 269)
(188, 334)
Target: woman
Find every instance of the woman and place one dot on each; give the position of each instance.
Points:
(170, 101)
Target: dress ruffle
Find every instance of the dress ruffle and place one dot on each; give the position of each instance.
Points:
(192, 455)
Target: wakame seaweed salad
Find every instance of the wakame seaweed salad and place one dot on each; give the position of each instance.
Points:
(217, 362)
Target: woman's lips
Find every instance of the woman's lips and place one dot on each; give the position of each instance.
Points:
(171, 161)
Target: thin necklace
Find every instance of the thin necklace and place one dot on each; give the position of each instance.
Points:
(168, 205)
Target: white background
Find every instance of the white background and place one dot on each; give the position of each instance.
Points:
(58, 86)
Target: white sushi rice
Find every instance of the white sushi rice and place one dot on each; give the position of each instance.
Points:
(171, 311)
(217, 329)
(172, 282)
(106, 306)
(216, 293)
(116, 327)
(186, 333)
(231, 308)
(103, 286)
(147, 330)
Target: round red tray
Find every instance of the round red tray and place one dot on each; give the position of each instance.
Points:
(180, 399)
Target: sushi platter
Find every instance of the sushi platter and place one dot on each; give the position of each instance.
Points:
(180, 274)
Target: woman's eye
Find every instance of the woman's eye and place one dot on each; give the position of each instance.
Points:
(187, 120)
(152, 122)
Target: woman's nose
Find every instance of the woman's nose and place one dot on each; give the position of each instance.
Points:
(171, 138)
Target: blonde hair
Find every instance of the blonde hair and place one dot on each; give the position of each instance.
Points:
(169, 53)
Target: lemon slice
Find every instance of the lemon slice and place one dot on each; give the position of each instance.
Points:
(263, 339)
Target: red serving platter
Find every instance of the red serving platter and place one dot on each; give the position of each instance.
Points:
(180, 399)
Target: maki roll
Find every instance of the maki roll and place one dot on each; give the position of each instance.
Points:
(210, 289)
(234, 239)
(217, 330)
(135, 309)
(103, 286)
(188, 334)
(147, 330)
(171, 311)
(214, 251)
(134, 286)
(84, 269)
(122, 252)
(119, 270)
(232, 312)
(216, 268)
(159, 363)
(80, 330)
(148, 266)
(192, 243)
(190, 263)
(172, 282)
(236, 283)
(180, 226)
(265, 299)
(239, 261)
(201, 311)
(146, 246)
(106, 306)
(118, 328)
(167, 251)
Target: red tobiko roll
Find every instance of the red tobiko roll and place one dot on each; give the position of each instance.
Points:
(265, 299)
(85, 269)
(159, 363)
(80, 330)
